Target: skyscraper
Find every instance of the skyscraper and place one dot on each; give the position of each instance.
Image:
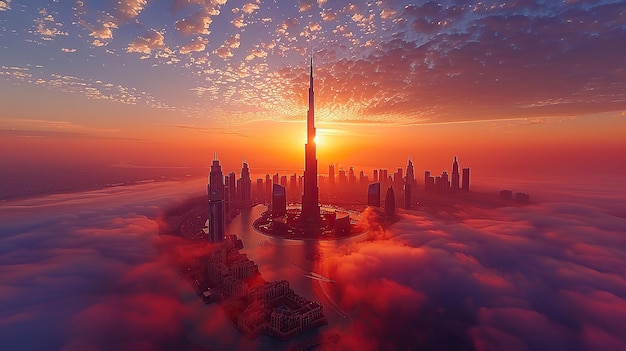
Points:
(390, 203)
(230, 182)
(466, 179)
(408, 200)
(310, 204)
(410, 173)
(244, 184)
(455, 175)
(373, 195)
(227, 197)
(279, 200)
(331, 174)
(217, 225)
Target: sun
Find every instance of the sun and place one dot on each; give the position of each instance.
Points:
(317, 140)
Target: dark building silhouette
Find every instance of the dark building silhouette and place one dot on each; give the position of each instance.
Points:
(259, 185)
(293, 183)
(373, 195)
(351, 176)
(390, 203)
(522, 198)
(244, 183)
(283, 181)
(227, 198)
(466, 179)
(331, 174)
(375, 175)
(444, 182)
(343, 179)
(410, 174)
(506, 194)
(408, 201)
(217, 221)
(382, 176)
(455, 175)
(429, 181)
(310, 197)
(268, 185)
(279, 200)
(232, 189)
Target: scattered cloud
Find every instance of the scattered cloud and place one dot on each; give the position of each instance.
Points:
(153, 40)
(5, 5)
(196, 23)
(198, 44)
(250, 8)
(225, 51)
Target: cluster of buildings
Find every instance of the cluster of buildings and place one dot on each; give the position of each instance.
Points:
(274, 309)
(254, 305)
(520, 197)
(227, 195)
(443, 183)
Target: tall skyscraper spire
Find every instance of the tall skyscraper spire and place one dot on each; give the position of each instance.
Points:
(217, 225)
(310, 205)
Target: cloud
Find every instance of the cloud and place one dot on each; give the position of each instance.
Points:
(225, 51)
(128, 9)
(256, 53)
(153, 40)
(305, 5)
(387, 13)
(104, 30)
(5, 5)
(250, 8)
(196, 23)
(239, 21)
(517, 278)
(98, 281)
(196, 45)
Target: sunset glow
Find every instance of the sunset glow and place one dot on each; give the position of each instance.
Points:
(295, 174)
(180, 75)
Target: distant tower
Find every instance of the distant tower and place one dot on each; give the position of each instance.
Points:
(455, 175)
(227, 197)
(310, 196)
(331, 174)
(217, 222)
(410, 173)
(375, 175)
(390, 203)
(373, 195)
(268, 184)
(408, 200)
(279, 200)
(229, 181)
(445, 182)
(351, 176)
(466, 179)
(244, 184)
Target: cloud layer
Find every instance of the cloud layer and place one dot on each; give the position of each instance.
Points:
(547, 276)
(400, 62)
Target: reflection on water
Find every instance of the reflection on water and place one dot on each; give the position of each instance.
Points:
(293, 260)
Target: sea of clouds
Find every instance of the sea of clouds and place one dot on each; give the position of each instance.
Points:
(85, 271)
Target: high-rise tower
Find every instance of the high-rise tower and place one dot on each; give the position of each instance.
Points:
(244, 184)
(310, 205)
(455, 175)
(217, 220)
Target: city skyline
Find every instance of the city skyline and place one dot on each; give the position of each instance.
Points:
(175, 80)
(461, 186)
